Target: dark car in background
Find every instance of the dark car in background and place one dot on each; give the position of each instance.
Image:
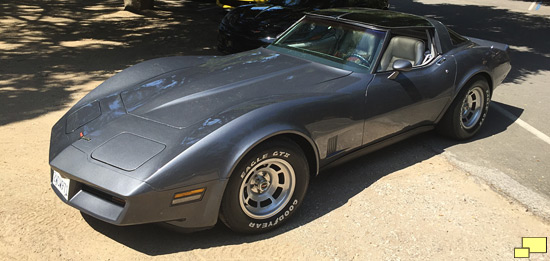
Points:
(251, 26)
(235, 3)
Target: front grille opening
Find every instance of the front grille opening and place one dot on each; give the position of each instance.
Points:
(100, 194)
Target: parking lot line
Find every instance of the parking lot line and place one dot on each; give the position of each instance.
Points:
(522, 123)
(532, 5)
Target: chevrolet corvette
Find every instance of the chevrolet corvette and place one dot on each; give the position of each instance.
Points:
(192, 140)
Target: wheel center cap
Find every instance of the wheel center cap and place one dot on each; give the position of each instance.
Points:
(261, 184)
(264, 186)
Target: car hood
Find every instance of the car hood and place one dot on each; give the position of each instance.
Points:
(188, 96)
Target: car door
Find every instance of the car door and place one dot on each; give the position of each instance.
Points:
(414, 98)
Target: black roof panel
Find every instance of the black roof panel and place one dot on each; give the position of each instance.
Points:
(381, 18)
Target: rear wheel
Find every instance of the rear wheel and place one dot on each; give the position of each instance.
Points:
(466, 114)
(266, 188)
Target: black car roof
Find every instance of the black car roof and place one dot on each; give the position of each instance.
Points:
(376, 17)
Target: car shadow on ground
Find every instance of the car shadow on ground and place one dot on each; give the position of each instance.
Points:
(330, 190)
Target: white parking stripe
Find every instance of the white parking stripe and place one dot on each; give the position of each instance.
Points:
(521, 123)
(532, 6)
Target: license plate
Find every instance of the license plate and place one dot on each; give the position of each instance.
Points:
(61, 184)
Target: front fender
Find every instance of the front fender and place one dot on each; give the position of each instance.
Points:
(216, 156)
(218, 153)
(261, 135)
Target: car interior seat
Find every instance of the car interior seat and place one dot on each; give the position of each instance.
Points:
(404, 48)
(364, 41)
(356, 42)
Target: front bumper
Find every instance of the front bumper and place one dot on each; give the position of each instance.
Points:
(122, 200)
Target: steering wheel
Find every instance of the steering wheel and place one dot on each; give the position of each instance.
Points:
(356, 58)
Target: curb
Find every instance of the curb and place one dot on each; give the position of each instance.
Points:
(501, 183)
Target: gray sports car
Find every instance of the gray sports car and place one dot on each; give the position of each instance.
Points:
(190, 140)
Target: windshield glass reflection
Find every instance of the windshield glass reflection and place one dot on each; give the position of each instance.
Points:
(338, 43)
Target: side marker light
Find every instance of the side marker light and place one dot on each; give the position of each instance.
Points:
(188, 196)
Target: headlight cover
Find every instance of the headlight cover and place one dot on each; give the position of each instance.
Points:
(83, 115)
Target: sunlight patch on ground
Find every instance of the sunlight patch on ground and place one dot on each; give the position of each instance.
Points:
(12, 21)
(28, 18)
(518, 6)
(98, 8)
(89, 43)
(115, 15)
(527, 49)
(8, 88)
(30, 39)
(9, 46)
(11, 79)
(57, 20)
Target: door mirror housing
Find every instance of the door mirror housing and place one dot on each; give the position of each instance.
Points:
(402, 65)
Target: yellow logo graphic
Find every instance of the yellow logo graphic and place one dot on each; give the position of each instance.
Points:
(531, 245)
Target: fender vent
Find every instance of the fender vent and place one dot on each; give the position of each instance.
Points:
(331, 145)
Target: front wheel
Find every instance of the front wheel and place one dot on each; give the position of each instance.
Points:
(266, 188)
(466, 114)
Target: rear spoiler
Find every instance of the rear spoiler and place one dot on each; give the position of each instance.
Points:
(492, 44)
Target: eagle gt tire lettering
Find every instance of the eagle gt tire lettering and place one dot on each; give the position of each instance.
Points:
(266, 188)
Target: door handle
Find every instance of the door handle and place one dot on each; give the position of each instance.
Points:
(441, 60)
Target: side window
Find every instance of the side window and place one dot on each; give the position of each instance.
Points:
(456, 39)
(415, 46)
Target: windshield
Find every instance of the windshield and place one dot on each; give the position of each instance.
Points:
(337, 44)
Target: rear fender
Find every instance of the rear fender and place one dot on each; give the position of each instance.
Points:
(472, 73)
(465, 79)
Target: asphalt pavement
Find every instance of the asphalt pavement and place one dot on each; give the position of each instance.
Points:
(515, 137)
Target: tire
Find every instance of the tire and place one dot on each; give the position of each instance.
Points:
(266, 188)
(468, 111)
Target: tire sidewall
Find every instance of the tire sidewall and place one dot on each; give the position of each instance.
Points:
(233, 214)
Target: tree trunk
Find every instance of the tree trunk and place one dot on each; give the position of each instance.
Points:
(137, 5)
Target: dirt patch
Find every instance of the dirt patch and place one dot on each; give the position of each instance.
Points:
(404, 202)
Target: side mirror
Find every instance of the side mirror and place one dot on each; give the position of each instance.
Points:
(400, 66)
